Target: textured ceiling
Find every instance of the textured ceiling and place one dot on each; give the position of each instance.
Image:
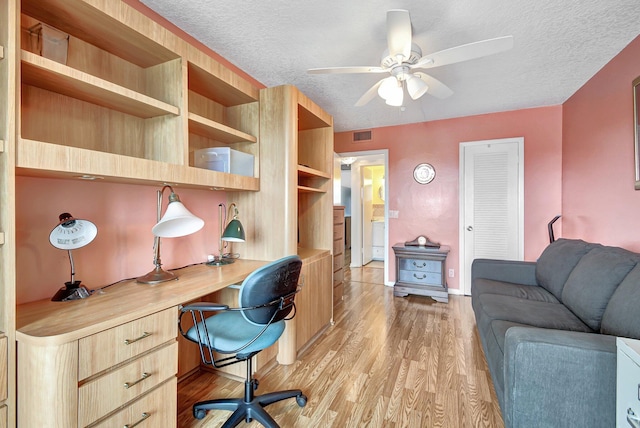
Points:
(558, 46)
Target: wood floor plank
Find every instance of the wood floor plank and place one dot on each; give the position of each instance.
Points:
(386, 362)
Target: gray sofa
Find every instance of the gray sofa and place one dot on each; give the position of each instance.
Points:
(548, 331)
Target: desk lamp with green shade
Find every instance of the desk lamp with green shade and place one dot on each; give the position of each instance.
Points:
(233, 232)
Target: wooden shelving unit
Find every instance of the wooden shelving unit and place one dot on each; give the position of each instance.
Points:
(298, 192)
(130, 104)
(141, 101)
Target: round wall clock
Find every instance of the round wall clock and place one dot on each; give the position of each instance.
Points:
(424, 173)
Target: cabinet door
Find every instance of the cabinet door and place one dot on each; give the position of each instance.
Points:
(315, 301)
(3, 368)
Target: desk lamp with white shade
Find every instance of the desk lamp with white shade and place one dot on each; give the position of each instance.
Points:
(70, 234)
(177, 221)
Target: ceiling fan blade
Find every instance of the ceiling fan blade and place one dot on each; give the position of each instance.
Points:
(436, 87)
(465, 52)
(343, 70)
(399, 33)
(369, 95)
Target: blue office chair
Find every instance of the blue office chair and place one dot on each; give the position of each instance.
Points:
(266, 300)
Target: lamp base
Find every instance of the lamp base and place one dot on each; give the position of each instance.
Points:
(157, 276)
(71, 291)
(220, 261)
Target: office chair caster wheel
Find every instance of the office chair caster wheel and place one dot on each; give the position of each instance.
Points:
(301, 400)
(199, 413)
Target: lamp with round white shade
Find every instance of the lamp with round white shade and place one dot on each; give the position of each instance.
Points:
(70, 234)
(177, 221)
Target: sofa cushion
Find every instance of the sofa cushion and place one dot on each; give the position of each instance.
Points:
(593, 281)
(530, 292)
(621, 315)
(557, 261)
(529, 312)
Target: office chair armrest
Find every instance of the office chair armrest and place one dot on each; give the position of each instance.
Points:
(204, 306)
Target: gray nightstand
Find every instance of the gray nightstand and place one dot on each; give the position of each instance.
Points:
(421, 270)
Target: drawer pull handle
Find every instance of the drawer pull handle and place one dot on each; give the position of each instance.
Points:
(130, 341)
(419, 277)
(633, 420)
(145, 415)
(128, 385)
(424, 264)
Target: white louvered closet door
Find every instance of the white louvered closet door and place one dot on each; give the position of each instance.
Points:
(491, 203)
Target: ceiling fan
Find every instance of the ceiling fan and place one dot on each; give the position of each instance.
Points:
(403, 60)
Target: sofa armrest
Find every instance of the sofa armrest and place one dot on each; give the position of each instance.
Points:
(559, 378)
(517, 272)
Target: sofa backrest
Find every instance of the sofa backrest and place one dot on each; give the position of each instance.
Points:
(621, 315)
(557, 261)
(593, 281)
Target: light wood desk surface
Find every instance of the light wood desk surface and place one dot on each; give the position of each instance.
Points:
(54, 323)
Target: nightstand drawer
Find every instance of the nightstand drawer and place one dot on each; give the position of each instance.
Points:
(100, 396)
(107, 348)
(155, 409)
(418, 265)
(417, 277)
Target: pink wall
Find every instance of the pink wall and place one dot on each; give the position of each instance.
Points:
(599, 201)
(433, 209)
(124, 215)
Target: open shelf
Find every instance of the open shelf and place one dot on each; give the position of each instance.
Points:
(37, 158)
(52, 76)
(306, 189)
(217, 131)
(310, 172)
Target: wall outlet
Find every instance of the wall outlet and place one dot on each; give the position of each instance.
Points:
(452, 273)
(393, 213)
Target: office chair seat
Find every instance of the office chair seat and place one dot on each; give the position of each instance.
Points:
(265, 301)
(229, 331)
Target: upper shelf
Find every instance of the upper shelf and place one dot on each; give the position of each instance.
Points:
(217, 131)
(117, 29)
(55, 77)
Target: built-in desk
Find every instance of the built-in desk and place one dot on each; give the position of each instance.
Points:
(112, 358)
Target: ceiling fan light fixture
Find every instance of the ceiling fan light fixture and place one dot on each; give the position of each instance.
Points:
(388, 88)
(397, 98)
(416, 87)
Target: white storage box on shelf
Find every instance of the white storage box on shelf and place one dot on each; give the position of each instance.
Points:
(224, 159)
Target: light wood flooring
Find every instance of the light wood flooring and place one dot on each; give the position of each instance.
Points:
(386, 362)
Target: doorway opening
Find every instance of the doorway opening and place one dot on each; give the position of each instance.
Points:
(364, 188)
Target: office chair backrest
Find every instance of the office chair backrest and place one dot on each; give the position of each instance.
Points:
(266, 284)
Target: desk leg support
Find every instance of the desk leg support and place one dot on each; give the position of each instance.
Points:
(48, 385)
(287, 352)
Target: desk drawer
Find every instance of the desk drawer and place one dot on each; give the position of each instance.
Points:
(338, 262)
(338, 246)
(100, 396)
(416, 277)
(155, 409)
(434, 266)
(110, 347)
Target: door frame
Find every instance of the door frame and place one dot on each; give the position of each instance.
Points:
(465, 283)
(368, 158)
